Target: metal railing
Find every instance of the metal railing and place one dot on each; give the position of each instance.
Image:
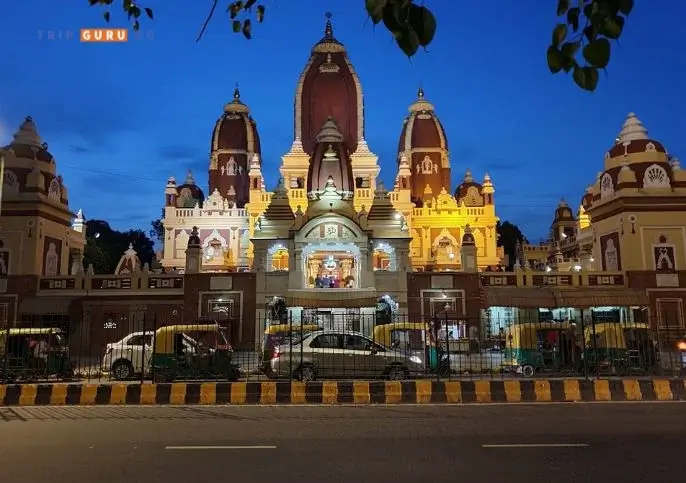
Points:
(324, 346)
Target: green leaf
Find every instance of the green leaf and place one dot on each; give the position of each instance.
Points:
(591, 33)
(612, 27)
(408, 41)
(106, 15)
(394, 16)
(555, 59)
(562, 7)
(626, 6)
(597, 53)
(236, 25)
(249, 4)
(570, 48)
(148, 12)
(234, 9)
(423, 22)
(586, 77)
(247, 29)
(260, 13)
(573, 18)
(559, 34)
(375, 9)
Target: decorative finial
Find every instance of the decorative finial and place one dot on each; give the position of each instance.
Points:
(328, 31)
(420, 93)
(236, 94)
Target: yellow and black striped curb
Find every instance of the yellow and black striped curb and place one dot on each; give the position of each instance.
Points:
(341, 392)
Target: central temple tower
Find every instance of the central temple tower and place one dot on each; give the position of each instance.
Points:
(329, 89)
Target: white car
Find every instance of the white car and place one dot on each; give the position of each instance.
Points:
(132, 355)
(129, 356)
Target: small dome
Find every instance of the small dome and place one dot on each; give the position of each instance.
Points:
(635, 161)
(422, 128)
(563, 212)
(27, 143)
(330, 162)
(189, 193)
(236, 129)
(634, 139)
(469, 191)
(128, 263)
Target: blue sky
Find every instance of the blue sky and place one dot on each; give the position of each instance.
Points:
(121, 118)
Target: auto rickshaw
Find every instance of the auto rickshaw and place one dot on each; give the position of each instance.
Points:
(414, 339)
(206, 354)
(33, 353)
(532, 347)
(606, 347)
(278, 334)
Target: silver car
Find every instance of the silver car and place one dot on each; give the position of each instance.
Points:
(337, 354)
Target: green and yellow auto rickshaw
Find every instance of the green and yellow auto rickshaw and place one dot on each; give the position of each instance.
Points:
(192, 351)
(27, 354)
(280, 334)
(606, 347)
(533, 347)
(412, 338)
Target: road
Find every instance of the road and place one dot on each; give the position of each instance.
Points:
(395, 444)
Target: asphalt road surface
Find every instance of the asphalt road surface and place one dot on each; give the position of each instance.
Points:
(395, 444)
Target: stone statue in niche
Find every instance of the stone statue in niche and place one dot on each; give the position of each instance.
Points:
(4, 263)
(51, 261)
(240, 170)
(426, 166)
(664, 259)
(435, 169)
(663, 255)
(611, 256)
(231, 167)
(222, 170)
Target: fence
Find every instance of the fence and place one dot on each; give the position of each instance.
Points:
(347, 346)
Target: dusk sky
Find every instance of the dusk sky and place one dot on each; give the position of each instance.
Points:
(121, 118)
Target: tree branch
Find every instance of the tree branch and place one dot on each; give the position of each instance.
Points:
(207, 20)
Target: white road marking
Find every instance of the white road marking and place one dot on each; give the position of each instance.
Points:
(540, 445)
(178, 448)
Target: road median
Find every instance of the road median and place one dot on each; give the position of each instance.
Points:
(346, 392)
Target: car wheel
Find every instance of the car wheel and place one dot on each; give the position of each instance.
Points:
(306, 374)
(396, 373)
(122, 370)
(528, 370)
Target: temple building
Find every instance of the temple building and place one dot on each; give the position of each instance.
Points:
(631, 218)
(39, 234)
(330, 157)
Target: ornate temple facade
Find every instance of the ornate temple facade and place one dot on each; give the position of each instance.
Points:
(329, 111)
(39, 234)
(631, 218)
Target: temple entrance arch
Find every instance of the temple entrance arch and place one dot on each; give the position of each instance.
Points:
(445, 248)
(331, 265)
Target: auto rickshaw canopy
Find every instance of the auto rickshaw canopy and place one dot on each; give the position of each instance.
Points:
(609, 335)
(164, 336)
(25, 331)
(382, 333)
(525, 335)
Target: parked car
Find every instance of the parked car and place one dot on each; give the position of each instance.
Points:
(132, 355)
(129, 356)
(335, 354)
